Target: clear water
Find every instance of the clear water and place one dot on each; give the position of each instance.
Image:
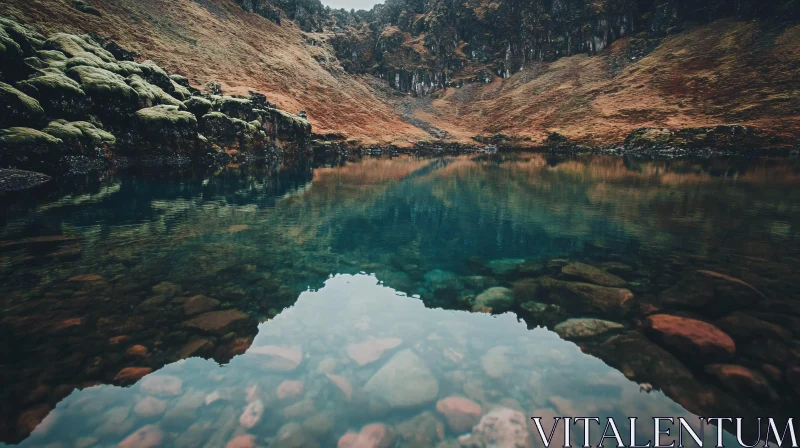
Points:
(323, 282)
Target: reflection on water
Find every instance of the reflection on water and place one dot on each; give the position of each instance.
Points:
(111, 284)
(351, 354)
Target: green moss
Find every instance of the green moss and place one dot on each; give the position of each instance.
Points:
(222, 128)
(17, 108)
(198, 105)
(107, 90)
(151, 95)
(51, 56)
(80, 133)
(166, 123)
(180, 91)
(78, 46)
(59, 95)
(240, 108)
(27, 39)
(28, 148)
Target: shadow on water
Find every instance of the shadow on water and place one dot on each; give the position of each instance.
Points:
(110, 279)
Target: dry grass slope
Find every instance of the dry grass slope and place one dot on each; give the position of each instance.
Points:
(215, 40)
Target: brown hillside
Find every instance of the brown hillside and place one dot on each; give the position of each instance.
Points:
(215, 40)
(728, 72)
(724, 73)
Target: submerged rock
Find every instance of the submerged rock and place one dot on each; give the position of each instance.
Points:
(17, 108)
(366, 352)
(496, 363)
(404, 382)
(375, 435)
(219, 322)
(584, 328)
(278, 358)
(587, 298)
(498, 299)
(461, 413)
(500, 428)
(699, 341)
(740, 379)
(591, 274)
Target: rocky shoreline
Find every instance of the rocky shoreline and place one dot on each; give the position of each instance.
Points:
(72, 104)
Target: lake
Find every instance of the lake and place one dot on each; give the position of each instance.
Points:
(400, 301)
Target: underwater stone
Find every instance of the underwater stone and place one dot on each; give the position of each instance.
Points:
(584, 328)
(17, 108)
(404, 382)
(699, 341)
(591, 274)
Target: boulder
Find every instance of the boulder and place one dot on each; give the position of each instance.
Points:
(745, 328)
(18, 109)
(500, 428)
(278, 358)
(585, 328)
(150, 94)
(742, 380)
(108, 91)
(588, 298)
(28, 40)
(375, 435)
(504, 266)
(424, 429)
(198, 105)
(404, 382)
(461, 413)
(591, 274)
(78, 46)
(29, 148)
(711, 292)
(496, 363)
(694, 340)
(199, 304)
(17, 180)
(219, 322)
(240, 108)
(498, 299)
(81, 136)
(162, 385)
(58, 94)
(166, 124)
(222, 128)
(366, 352)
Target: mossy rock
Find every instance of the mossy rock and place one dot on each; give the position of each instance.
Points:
(80, 135)
(78, 46)
(28, 148)
(166, 123)
(151, 95)
(198, 105)
(51, 56)
(180, 80)
(12, 67)
(59, 95)
(222, 129)
(181, 92)
(28, 39)
(240, 108)
(84, 7)
(285, 125)
(108, 91)
(157, 76)
(18, 109)
(644, 138)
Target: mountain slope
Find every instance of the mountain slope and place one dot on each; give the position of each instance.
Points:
(416, 72)
(215, 40)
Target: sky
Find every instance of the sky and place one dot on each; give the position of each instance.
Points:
(351, 4)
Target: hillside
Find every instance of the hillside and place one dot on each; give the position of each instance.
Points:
(406, 72)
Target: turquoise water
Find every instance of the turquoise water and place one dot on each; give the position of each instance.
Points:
(289, 307)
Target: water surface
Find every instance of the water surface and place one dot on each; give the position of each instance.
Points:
(301, 289)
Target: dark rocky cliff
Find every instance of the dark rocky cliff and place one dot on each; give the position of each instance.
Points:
(419, 46)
